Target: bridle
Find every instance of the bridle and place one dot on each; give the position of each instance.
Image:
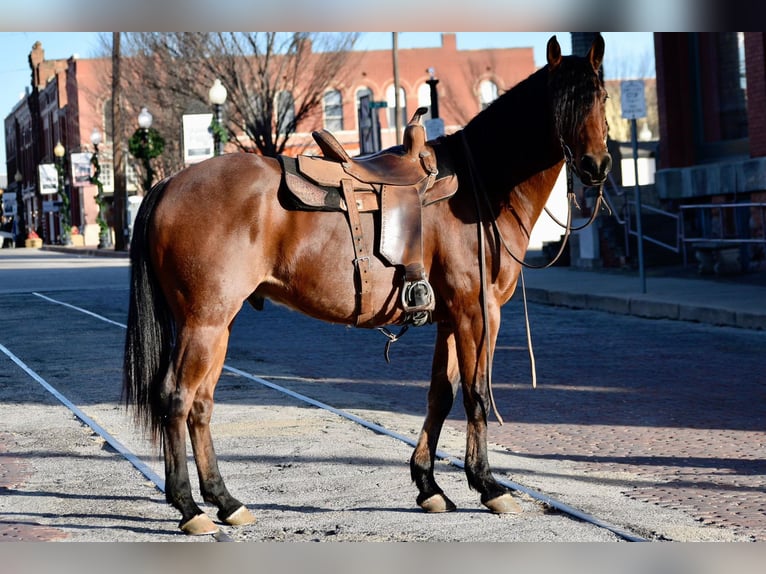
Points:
(481, 196)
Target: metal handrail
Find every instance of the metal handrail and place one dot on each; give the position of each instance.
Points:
(626, 221)
(682, 240)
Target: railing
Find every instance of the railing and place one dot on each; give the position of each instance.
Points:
(724, 225)
(627, 218)
(718, 224)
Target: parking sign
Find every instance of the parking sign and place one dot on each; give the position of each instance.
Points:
(632, 99)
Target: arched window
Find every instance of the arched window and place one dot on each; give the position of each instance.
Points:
(487, 93)
(424, 99)
(285, 113)
(333, 110)
(392, 106)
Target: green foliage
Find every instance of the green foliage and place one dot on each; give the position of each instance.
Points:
(146, 144)
(219, 132)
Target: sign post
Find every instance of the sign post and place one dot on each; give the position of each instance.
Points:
(633, 105)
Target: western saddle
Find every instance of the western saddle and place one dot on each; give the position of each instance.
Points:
(393, 182)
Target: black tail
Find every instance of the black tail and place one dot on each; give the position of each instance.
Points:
(151, 329)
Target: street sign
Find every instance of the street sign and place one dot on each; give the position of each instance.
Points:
(375, 105)
(632, 99)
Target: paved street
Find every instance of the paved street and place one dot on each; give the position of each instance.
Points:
(655, 424)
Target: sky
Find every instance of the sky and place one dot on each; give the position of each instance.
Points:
(628, 54)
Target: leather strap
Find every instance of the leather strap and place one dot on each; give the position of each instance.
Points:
(362, 257)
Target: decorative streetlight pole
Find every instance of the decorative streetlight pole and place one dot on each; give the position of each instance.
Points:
(217, 95)
(144, 123)
(21, 227)
(104, 239)
(146, 144)
(59, 151)
(432, 81)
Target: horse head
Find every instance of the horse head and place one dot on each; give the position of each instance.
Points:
(579, 106)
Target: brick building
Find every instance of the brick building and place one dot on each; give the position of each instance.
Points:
(711, 94)
(68, 98)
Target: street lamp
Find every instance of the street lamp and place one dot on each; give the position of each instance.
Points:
(104, 239)
(21, 228)
(432, 81)
(59, 151)
(217, 96)
(146, 144)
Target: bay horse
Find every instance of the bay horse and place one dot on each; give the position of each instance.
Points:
(189, 280)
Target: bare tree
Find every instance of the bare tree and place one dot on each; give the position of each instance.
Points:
(275, 81)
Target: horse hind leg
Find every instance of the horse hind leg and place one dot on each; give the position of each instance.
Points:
(198, 366)
(230, 510)
(177, 485)
(445, 378)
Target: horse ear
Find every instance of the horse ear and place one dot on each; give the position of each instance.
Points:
(596, 54)
(554, 52)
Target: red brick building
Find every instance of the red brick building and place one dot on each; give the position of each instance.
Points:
(711, 95)
(69, 98)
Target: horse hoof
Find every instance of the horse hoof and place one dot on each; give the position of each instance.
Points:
(240, 517)
(199, 525)
(437, 503)
(503, 504)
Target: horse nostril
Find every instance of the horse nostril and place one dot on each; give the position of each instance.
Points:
(597, 168)
(606, 164)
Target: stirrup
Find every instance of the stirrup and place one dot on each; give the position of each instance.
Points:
(418, 301)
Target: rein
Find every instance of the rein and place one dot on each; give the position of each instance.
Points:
(479, 190)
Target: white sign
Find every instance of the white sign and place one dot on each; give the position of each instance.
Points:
(632, 99)
(198, 138)
(81, 168)
(49, 179)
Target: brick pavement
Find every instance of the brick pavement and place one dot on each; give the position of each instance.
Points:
(705, 474)
(13, 473)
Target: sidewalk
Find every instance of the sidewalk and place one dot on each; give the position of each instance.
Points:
(671, 293)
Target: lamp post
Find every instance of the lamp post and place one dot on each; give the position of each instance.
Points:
(217, 96)
(59, 151)
(21, 227)
(104, 239)
(144, 123)
(432, 81)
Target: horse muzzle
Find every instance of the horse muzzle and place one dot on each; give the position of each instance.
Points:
(593, 169)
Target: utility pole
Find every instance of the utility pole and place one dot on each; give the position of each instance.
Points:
(397, 104)
(120, 197)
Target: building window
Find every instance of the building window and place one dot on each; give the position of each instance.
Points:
(391, 100)
(333, 111)
(722, 113)
(285, 113)
(360, 93)
(487, 93)
(424, 99)
(107, 175)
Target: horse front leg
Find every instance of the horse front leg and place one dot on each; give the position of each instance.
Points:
(475, 365)
(445, 377)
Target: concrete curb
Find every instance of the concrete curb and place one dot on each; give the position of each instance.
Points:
(648, 308)
(86, 251)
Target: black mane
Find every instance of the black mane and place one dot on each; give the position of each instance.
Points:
(517, 135)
